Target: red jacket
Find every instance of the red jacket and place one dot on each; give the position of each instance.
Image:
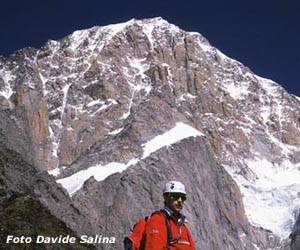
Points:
(156, 235)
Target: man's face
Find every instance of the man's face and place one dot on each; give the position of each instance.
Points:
(175, 201)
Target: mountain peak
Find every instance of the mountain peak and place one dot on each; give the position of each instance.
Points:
(108, 99)
(103, 34)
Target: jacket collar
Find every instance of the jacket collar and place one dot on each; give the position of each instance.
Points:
(180, 217)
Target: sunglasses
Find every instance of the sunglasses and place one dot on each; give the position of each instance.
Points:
(177, 196)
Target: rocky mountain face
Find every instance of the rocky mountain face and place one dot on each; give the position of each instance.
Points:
(114, 112)
(31, 204)
(295, 236)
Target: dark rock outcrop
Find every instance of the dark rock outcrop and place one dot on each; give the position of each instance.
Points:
(32, 204)
(295, 236)
(26, 216)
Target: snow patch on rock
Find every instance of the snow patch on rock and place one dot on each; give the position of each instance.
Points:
(74, 182)
(272, 195)
(178, 133)
(7, 77)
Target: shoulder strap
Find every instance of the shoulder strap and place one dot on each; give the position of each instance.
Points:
(171, 240)
(168, 226)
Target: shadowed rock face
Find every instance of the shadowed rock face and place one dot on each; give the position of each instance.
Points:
(99, 95)
(296, 236)
(26, 216)
(32, 204)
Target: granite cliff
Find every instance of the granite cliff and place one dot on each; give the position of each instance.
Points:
(113, 112)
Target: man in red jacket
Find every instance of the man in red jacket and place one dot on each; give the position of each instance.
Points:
(166, 229)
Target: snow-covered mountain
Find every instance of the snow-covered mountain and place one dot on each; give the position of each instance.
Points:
(113, 112)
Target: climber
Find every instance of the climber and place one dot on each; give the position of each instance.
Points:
(164, 229)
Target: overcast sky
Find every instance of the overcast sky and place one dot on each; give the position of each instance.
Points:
(262, 34)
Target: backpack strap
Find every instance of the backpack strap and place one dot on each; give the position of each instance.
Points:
(167, 223)
(170, 238)
(168, 226)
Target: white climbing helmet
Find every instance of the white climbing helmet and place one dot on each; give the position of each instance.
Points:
(174, 187)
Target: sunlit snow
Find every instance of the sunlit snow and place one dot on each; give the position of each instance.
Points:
(54, 142)
(6, 77)
(148, 29)
(178, 133)
(235, 91)
(188, 95)
(100, 172)
(54, 172)
(140, 65)
(137, 81)
(297, 97)
(116, 131)
(44, 80)
(103, 105)
(65, 90)
(74, 182)
(271, 197)
(78, 37)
